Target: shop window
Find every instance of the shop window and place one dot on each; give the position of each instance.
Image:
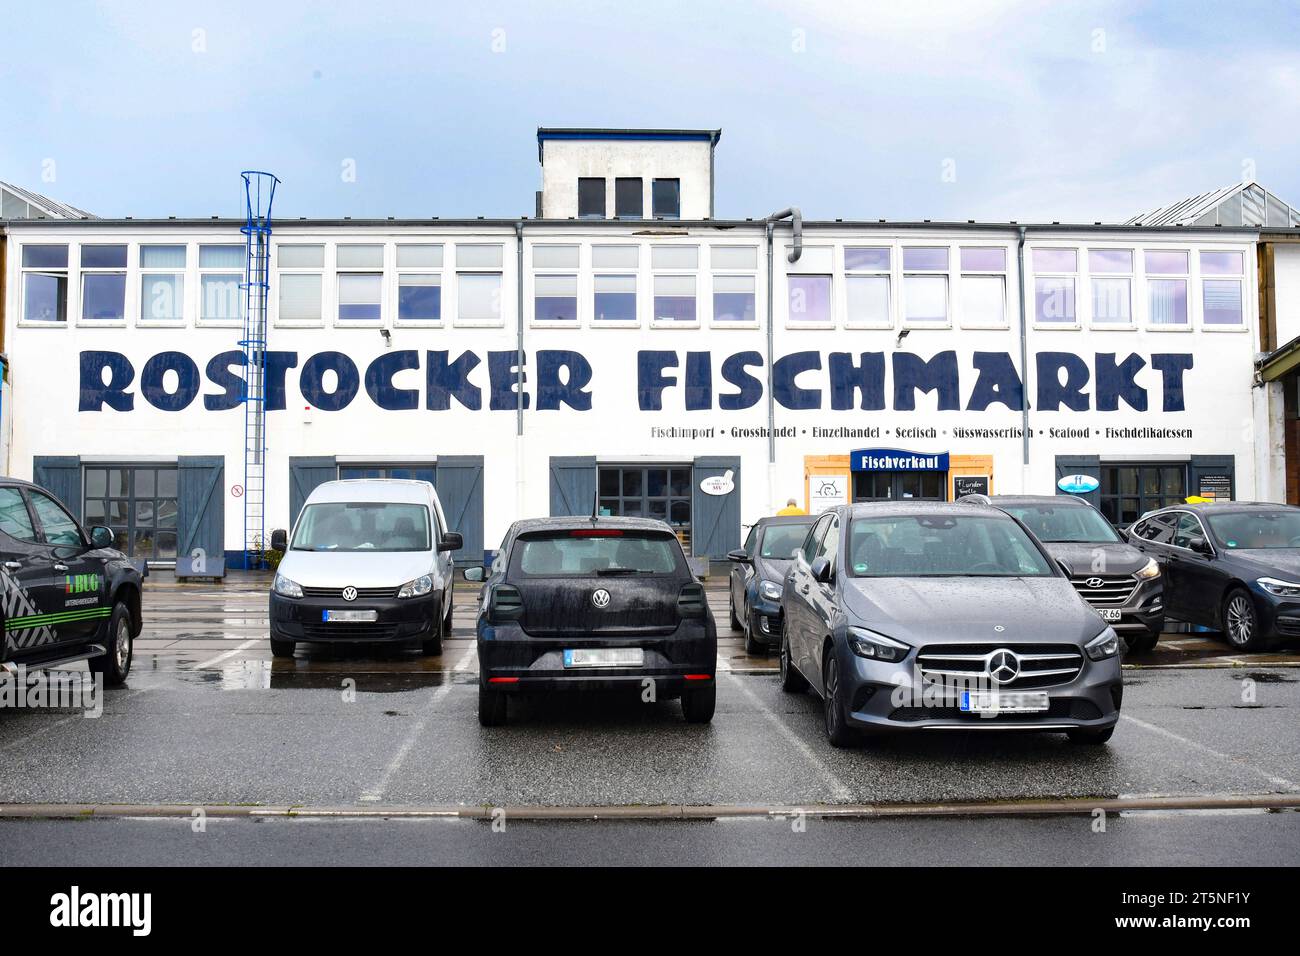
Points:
(983, 286)
(300, 277)
(1110, 277)
(103, 283)
(162, 283)
(45, 283)
(662, 492)
(1055, 280)
(925, 285)
(1221, 278)
(591, 198)
(867, 286)
(419, 282)
(408, 472)
(628, 200)
(138, 502)
(1167, 278)
(666, 198)
(221, 272)
(1130, 491)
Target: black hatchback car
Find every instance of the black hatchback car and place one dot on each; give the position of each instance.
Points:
(757, 575)
(1232, 566)
(594, 604)
(66, 594)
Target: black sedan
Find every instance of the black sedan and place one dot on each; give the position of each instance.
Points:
(579, 604)
(1232, 566)
(757, 573)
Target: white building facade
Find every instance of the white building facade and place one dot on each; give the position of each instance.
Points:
(689, 369)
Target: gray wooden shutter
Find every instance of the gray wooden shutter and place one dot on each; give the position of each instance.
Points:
(61, 476)
(201, 505)
(1080, 465)
(573, 485)
(459, 480)
(715, 519)
(304, 475)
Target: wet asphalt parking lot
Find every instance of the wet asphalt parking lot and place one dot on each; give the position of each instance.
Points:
(210, 720)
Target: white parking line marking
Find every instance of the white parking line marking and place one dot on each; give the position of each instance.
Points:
(1227, 758)
(380, 788)
(841, 793)
(226, 656)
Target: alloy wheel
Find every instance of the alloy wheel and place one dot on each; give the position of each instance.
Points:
(1240, 620)
(122, 644)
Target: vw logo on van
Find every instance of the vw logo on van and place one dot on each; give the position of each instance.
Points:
(349, 593)
(1003, 666)
(600, 597)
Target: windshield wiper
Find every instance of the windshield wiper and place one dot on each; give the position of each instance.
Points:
(604, 572)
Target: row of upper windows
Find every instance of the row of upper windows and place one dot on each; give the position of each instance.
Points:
(850, 286)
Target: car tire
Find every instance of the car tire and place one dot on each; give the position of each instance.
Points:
(432, 645)
(792, 682)
(446, 621)
(1090, 737)
(282, 648)
(838, 731)
(493, 707)
(731, 604)
(698, 704)
(1143, 643)
(752, 647)
(116, 663)
(1240, 622)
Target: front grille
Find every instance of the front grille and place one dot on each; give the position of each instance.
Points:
(1113, 590)
(1288, 625)
(362, 593)
(1040, 665)
(1061, 707)
(349, 632)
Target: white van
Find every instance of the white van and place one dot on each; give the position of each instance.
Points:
(369, 561)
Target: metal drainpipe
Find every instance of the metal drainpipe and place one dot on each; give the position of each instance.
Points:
(519, 327)
(1024, 364)
(796, 225)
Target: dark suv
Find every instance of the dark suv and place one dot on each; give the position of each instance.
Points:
(1124, 585)
(594, 603)
(68, 595)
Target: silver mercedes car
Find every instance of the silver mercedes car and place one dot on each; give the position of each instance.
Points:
(914, 616)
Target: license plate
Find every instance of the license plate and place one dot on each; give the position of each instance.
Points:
(1111, 615)
(349, 617)
(985, 702)
(604, 657)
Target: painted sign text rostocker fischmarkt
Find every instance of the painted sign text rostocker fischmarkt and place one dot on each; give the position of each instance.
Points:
(563, 378)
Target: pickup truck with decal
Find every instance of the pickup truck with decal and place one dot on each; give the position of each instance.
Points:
(66, 594)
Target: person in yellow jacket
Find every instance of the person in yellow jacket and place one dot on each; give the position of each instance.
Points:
(791, 509)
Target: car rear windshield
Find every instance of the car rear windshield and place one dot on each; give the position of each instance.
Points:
(942, 545)
(585, 553)
(362, 526)
(1066, 523)
(1257, 529)
(780, 541)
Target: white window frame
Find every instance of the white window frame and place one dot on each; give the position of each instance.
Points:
(1187, 278)
(961, 272)
(635, 272)
(716, 272)
(72, 297)
(803, 270)
(317, 271)
(693, 272)
(905, 273)
(83, 271)
(1031, 284)
(201, 272)
(381, 271)
(575, 272)
(1088, 277)
(467, 270)
(187, 284)
(1202, 278)
(888, 274)
(398, 271)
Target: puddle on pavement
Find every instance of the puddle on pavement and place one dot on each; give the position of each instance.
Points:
(370, 676)
(1267, 677)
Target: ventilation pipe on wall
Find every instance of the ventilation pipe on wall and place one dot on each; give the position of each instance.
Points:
(796, 250)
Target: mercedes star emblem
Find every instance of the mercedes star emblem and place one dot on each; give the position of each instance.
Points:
(349, 593)
(1003, 666)
(600, 597)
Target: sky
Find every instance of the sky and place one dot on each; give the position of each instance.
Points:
(1007, 110)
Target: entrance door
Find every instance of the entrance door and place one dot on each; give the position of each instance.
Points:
(900, 485)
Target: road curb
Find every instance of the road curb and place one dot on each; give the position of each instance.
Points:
(1005, 808)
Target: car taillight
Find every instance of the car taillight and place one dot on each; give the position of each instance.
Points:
(691, 602)
(506, 604)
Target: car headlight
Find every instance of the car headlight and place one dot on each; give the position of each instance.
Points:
(770, 590)
(1148, 571)
(866, 643)
(287, 588)
(1280, 588)
(421, 585)
(1104, 645)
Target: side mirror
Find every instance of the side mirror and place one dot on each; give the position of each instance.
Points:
(474, 574)
(1200, 545)
(451, 541)
(739, 556)
(101, 537)
(821, 570)
(280, 540)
